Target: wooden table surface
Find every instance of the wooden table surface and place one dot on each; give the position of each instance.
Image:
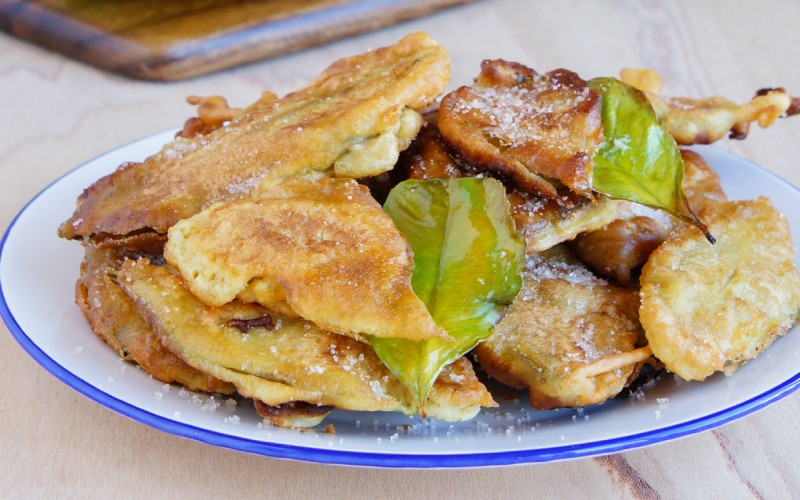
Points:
(57, 114)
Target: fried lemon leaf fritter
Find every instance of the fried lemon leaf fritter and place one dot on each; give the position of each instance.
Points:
(703, 121)
(539, 129)
(287, 359)
(326, 249)
(351, 121)
(546, 223)
(620, 248)
(569, 337)
(113, 317)
(708, 308)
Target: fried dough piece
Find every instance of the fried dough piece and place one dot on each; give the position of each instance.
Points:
(703, 121)
(326, 249)
(701, 184)
(291, 361)
(294, 414)
(113, 317)
(351, 121)
(568, 336)
(645, 80)
(708, 308)
(429, 157)
(212, 113)
(619, 249)
(539, 129)
(544, 222)
(456, 395)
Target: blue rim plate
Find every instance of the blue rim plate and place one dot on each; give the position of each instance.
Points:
(37, 275)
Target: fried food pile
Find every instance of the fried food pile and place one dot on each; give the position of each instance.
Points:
(253, 255)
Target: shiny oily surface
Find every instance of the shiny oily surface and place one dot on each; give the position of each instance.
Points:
(513, 433)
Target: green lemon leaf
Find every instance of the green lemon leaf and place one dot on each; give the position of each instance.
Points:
(468, 260)
(639, 160)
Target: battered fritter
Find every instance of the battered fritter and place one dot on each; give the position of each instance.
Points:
(325, 250)
(569, 337)
(539, 129)
(285, 359)
(703, 121)
(352, 121)
(708, 308)
(113, 317)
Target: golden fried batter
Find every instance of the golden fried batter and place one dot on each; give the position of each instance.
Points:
(113, 317)
(456, 395)
(620, 248)
(294, 414)
(326, 248)
(351, 121)
(546, 223)
(701, 184)
(645, 80)
(539, 129)
(212, 113)
(429, 157)
(568, 336)
(703, 121)
(276, 359)
(708, 308)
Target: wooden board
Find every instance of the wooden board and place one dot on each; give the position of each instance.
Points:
(158, 40)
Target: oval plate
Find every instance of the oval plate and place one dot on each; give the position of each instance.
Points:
(37, 276)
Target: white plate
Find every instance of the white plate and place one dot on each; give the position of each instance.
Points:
(37, 275)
